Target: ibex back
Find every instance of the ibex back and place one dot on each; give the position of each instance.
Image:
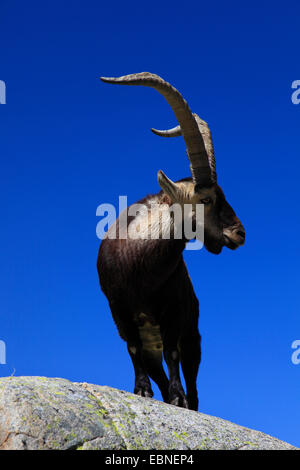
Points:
(145, 279)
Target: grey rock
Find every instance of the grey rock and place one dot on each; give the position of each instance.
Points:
(52, 413)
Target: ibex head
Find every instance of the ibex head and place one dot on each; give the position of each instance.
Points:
(221, 225)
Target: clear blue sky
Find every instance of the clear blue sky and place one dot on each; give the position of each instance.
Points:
(69, 143)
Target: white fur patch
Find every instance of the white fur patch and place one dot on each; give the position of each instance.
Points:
(150, 335)
(155, 221)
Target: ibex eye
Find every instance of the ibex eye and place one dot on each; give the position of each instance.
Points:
(207, 200)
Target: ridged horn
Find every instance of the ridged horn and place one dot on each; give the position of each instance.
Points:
(199, 162)
(206, 134)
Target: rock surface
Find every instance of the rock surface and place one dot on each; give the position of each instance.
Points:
(49, 413)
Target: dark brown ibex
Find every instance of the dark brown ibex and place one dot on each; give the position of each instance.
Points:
(145, 280)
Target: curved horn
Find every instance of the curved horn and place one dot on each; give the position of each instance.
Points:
(193, 139)
(206, 134)
(174, 132)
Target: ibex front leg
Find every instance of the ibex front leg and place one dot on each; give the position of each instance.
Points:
(190, 357)
(170, 336)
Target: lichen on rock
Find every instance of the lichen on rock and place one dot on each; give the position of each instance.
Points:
(52, 413)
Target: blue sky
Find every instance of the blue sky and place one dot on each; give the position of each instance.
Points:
(69, 143)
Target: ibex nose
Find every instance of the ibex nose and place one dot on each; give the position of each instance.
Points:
(241, 233)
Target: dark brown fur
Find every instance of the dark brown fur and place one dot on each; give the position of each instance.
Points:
(149, 289)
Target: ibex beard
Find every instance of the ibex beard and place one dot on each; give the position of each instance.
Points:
(145, 279)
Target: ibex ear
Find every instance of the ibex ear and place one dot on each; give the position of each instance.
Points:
(168, 186)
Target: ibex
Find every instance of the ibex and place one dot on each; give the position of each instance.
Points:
(146, 281)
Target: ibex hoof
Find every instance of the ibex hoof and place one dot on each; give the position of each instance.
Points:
(180, 401)
(143, 392)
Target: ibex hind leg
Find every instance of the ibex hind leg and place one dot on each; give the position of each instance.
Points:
(142, 386)
(129, 332)
(155, 370)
